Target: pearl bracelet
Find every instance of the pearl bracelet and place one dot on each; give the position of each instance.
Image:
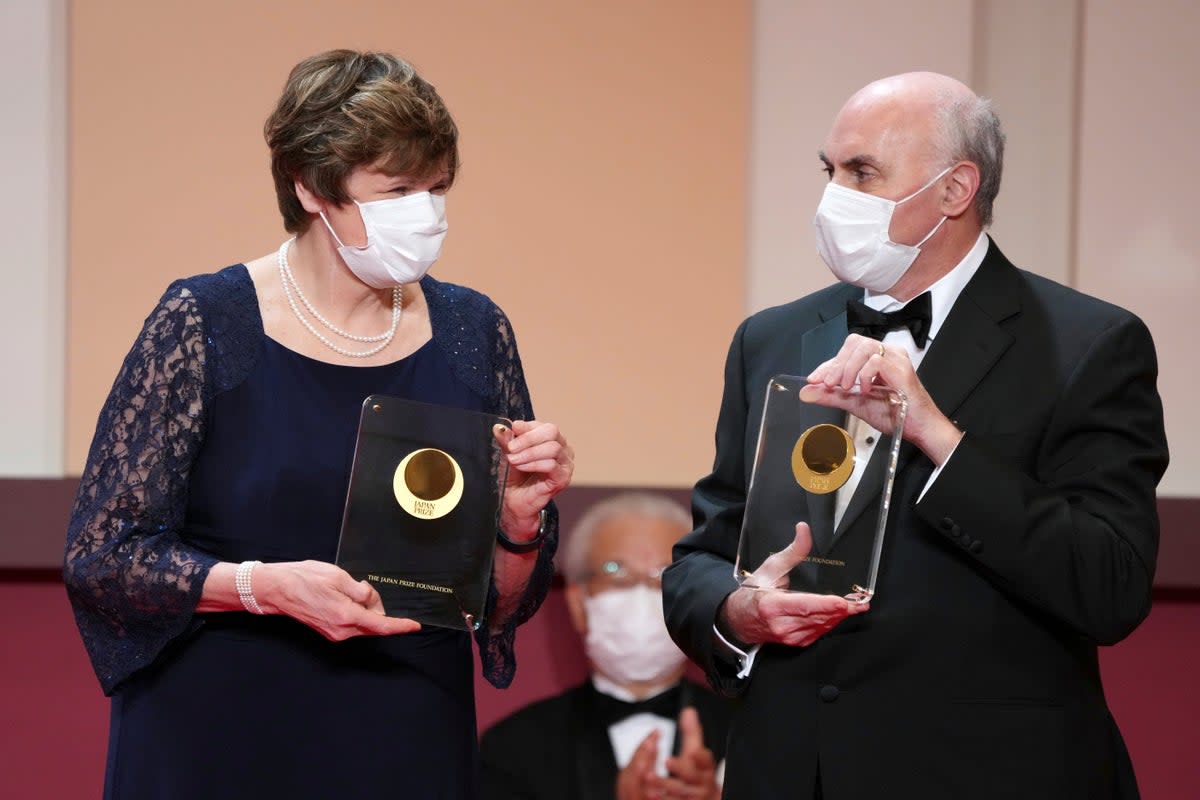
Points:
(241, 581)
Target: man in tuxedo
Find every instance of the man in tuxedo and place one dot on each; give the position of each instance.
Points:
(1022, 532)
(636, 729)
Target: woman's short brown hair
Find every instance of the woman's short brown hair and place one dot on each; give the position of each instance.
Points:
(341, 110)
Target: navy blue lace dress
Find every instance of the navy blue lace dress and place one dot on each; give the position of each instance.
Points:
(218, 444)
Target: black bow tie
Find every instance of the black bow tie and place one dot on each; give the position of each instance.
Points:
(610, 710)
(862, 319)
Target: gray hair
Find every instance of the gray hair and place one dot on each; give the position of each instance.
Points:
(970, 131)
(575, 550)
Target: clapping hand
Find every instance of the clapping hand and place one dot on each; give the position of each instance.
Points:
(691, 774)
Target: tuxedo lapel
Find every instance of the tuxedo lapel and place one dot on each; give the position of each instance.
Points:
(971, 340)
(967, 346)
(867, 492)
(595, 766)
(821, 343)
(818, 345)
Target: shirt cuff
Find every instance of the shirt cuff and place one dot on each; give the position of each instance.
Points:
(745, 659)
(938, 471)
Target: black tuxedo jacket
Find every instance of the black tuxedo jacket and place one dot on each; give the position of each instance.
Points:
(974, 674)
(556, 749)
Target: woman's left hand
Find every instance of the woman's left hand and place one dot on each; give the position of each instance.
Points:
(540, 465)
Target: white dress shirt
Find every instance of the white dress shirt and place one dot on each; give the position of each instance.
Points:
(942, 295)
(630, 732)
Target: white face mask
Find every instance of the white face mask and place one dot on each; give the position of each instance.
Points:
(627, 639)
(404, 238)
(854, 239)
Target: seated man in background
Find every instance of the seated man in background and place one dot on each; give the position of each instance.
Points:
(636, 728)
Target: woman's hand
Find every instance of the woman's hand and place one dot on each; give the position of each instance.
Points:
(325, 598)
(540, 465)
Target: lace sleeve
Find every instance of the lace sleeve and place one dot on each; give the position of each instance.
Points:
(512, 400)
(132, 583)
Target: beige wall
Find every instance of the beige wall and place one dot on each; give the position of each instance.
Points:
(1097, 101)
(798, 89)
(1036, 95)
(637, 177)
(600, 203)
(1137, 189)
(809, 57)
(33, 257)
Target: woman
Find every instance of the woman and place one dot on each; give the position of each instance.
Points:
(240, 661)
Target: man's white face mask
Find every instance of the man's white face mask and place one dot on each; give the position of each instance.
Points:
(854, 239)
(627, 638)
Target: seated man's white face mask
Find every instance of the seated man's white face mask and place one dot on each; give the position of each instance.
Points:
(854, 236)
(627, 639)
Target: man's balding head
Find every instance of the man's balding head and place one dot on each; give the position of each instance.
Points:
(941, 121)
(927, 140)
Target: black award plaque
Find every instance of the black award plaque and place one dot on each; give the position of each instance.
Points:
(423, 507)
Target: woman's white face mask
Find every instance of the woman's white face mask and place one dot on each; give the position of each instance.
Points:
(854, 236)
(404, 238)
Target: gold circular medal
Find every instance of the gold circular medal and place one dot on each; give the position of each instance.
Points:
(428, 483)
(823, 458)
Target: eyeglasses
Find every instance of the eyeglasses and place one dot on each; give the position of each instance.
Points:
(615, 575)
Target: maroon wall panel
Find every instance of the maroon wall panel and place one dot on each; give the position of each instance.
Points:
(54, 717)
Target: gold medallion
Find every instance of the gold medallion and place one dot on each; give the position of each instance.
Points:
(428, 483)
(823, 458)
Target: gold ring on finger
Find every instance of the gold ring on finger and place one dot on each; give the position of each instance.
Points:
(882, 350)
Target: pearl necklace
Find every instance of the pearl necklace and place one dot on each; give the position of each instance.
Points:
(289, 283)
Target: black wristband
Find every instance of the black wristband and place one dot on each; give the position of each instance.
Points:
(524, 547)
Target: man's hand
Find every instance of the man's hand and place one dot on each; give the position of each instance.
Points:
(864, 362)
(691, 774)
(761, 612)
(633, 782)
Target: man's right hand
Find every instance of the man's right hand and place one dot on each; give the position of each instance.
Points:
(761, 611)
(692, 775)
(636, 781)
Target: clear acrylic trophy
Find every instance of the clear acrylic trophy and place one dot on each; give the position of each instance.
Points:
(805, 458)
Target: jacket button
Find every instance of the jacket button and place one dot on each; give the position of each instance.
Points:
(829, 693)
(955, 531)
(976, 546)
